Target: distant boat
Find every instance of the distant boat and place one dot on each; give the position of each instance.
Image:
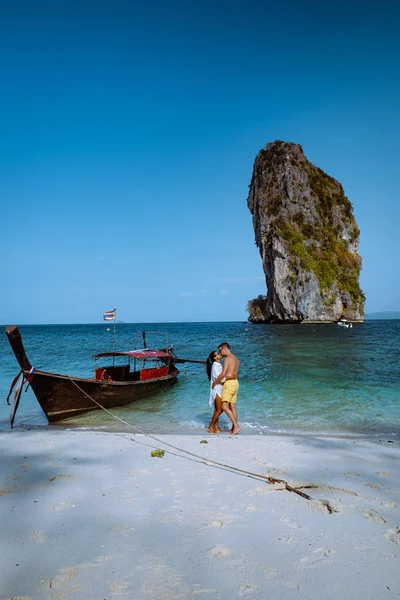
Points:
(344, 323)
(62, 396)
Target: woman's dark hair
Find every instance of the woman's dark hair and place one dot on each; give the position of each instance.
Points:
(209, 363)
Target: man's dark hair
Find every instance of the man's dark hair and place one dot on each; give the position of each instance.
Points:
(224, 345)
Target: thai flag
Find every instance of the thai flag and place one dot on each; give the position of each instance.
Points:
(110, 315)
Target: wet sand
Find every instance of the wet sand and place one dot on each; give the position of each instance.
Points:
(92, 515)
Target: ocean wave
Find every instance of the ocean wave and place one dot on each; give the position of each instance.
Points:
(192, 424)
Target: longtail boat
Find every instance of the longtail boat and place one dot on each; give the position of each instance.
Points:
(63, 396)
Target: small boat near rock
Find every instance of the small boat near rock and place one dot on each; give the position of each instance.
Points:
(344, 323)
(62, 396)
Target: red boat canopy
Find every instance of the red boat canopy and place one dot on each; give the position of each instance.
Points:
(144, 353)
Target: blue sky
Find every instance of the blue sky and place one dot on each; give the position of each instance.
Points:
(128, 132)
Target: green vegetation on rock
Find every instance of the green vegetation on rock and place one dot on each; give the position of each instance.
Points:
(329, 192)
(255, 307)
(318, 249)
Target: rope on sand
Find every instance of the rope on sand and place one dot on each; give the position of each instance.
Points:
(206, 461)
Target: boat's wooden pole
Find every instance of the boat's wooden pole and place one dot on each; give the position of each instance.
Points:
(14, 337)
(183, 360)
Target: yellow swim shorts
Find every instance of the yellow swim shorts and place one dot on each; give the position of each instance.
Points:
(230, 390)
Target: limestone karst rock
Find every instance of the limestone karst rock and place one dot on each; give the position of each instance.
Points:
(308, 240)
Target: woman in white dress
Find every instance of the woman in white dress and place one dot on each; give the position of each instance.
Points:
(214, 369)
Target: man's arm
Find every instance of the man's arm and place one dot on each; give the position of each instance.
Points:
(223, 373)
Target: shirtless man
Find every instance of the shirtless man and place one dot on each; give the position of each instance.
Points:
(230, 372)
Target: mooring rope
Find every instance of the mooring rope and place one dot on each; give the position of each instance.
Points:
(207, 461)
(23, 377)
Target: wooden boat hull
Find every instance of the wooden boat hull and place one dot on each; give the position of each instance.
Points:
(61, 396)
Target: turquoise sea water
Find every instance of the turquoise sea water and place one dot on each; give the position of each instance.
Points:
(316, 379)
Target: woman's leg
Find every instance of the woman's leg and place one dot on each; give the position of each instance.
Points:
(213, 426)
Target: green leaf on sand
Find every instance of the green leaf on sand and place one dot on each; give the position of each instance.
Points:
(158, 453)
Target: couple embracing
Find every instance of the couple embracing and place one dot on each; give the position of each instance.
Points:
(224, 386)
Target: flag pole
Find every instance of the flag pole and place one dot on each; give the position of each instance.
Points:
(115, 335)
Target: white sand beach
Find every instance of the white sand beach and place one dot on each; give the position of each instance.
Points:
(92, 515)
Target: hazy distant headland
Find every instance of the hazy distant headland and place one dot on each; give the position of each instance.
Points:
(385, 314)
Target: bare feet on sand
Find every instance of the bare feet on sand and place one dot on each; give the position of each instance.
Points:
(235, 430)
(214, 429)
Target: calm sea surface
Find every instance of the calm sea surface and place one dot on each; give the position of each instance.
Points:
(319, 379)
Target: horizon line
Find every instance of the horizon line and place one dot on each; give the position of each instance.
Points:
(121, 323)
